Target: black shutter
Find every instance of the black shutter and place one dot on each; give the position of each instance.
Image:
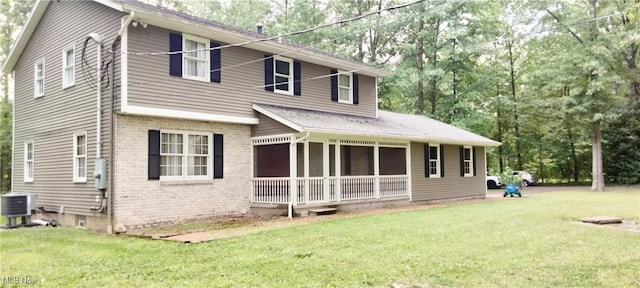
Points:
(355, 89)
(441, 160)
(426, 160)
(461, 161)
(268, 72)
(473, 155)
(297, 84)
(215, 62)
(334, 85)
(218, 143)
(154, 155)
(175, 60)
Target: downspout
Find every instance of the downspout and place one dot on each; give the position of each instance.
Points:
(290, 210)
(112, 141)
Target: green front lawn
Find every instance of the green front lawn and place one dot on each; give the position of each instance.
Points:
(517, 242)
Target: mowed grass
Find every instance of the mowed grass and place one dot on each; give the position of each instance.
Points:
(517, 242)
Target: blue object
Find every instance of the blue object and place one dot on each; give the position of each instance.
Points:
(512, 189)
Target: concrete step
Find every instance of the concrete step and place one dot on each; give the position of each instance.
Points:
(322, 211)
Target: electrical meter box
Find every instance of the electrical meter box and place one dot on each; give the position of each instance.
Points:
(100, 174)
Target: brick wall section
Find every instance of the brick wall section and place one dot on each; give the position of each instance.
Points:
(141, 202)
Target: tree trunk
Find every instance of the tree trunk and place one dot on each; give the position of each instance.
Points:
(4, 159)
(433, 93)
(420, 61)
(515, 103)
(634, 86)
(574, 158)
(454, 84)
(500, 161)
(597, 177)
(597, 183)
(540, 172)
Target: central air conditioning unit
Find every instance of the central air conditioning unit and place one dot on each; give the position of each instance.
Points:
(17, 204)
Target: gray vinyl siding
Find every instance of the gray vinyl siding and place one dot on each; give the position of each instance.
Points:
(269, 126)
(452, 185)
(51, 120)
(150, 85)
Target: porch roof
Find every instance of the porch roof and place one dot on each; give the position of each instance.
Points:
(387, 125)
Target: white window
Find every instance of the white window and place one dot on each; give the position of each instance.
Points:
(68, 67)
(28, 161)
(195, 59)
(185, 155)
(468, 161)
(80, 157)
(434, 161)
(345, 93)
(283, 75)
(38, 76)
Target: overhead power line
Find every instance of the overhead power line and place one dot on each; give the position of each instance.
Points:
(283, 35)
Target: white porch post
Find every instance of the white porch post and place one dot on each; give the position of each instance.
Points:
(325, 170)
(408, 150)
(376, 170)
(306, 172)
(293, 171)
(338, 172)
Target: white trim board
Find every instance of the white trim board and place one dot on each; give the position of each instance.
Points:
(169, 113)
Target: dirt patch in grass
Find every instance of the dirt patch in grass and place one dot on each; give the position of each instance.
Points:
(226, 227)
(625, 225)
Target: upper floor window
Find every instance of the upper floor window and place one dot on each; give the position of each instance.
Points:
(195, 58)
(80, 157)
(38, 76)
(28, 161)
(467, 161)
(283, 76)
(344, 88)
(185, 155)
(68, 67)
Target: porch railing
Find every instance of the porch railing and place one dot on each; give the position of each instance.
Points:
(394, 186)
(276, 190)
(271, 190)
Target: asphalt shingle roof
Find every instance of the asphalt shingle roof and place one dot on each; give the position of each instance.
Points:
(387, 124)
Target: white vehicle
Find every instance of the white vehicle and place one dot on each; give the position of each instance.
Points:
(493, 182)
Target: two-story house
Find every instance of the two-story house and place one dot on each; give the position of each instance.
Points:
(127, 114)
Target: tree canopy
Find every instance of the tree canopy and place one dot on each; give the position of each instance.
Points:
(557, 82)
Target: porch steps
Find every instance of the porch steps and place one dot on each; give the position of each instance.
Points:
(322, 211)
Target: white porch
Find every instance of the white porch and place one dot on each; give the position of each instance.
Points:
(310, 170)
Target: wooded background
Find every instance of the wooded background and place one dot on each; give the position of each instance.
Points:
(557, 82)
